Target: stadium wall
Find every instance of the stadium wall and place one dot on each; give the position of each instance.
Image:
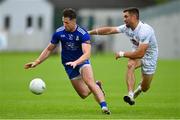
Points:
(25, 25)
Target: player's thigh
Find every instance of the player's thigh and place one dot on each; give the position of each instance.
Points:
(146, 81)
(80, 87)
(134, 63)
(87, 74)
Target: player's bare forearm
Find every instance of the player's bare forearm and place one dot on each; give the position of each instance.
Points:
(103, 31)
(46, 52)
(133, 55)
(44, 55)
(86, 47)
(137, 54)
(84, 57)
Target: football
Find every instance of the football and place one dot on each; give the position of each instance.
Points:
(37, 86)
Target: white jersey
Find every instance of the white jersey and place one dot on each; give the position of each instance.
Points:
(143, 34)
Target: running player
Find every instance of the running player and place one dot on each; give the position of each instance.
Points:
(144, 52)
(75, 54)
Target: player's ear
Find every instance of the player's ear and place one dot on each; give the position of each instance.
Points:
(73, 20)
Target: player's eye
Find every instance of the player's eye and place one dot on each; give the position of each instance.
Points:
(125, 16)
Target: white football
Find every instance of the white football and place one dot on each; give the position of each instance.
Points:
(37, 86)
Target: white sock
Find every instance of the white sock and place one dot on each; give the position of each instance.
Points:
(137, 91)
(131, 94)
(104, 108)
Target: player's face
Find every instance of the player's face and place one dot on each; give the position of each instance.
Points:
(69, 24)
(128, 19)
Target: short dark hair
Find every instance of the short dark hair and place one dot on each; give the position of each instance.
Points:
(132, 10)
(70, 13)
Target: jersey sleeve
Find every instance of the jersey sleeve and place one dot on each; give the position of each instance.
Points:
(55, 39)
(121, 28)
(85, 37)
(145, 36)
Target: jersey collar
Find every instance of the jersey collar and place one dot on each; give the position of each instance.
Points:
(138, 26)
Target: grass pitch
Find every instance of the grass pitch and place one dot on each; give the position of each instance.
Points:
(60, 100)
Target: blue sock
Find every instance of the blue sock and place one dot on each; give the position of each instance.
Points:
(103, 104)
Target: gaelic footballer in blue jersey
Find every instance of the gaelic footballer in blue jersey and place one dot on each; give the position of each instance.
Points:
(75, 54)
(144, 52)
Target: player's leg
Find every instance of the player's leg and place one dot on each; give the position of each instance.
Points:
(87, 76)
(146, 82)
(76, 81)
(99, 84)
(148, 69)
(130, 79)
(144, 85)
(80, 87)
(130, 76)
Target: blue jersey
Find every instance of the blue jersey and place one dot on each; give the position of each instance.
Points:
(70, 42)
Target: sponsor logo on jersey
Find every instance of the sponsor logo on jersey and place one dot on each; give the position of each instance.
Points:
(135, 42)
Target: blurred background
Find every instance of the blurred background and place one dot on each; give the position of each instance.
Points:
(27, 25)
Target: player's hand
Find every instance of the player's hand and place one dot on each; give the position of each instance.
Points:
(31, 64)
(73, 64)
(117, 55)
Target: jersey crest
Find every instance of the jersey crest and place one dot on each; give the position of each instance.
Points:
(77, 38)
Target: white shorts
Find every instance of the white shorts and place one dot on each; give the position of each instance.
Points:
(148, 66)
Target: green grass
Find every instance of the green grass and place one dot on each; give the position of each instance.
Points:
(60, 100)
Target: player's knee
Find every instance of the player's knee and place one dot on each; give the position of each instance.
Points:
(131, 66)
(84, 95)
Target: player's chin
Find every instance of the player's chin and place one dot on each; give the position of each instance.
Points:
(67, 29)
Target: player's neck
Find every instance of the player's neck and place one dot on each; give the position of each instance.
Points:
(133, 27)
(74, 28)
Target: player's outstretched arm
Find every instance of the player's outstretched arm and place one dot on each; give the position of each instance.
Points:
(32, 64)
(104, 31)
(44, 55)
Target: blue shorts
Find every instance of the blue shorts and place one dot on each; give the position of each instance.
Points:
(75, 73)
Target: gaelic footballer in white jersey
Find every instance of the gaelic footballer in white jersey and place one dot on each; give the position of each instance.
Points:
(143, 33)
(144, 54)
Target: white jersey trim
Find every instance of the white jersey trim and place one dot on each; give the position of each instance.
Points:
(60, 29)
(81, 31)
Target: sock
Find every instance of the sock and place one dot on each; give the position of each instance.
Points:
(131, 94)
(103, 104)
(139, 87)
(137, 91)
